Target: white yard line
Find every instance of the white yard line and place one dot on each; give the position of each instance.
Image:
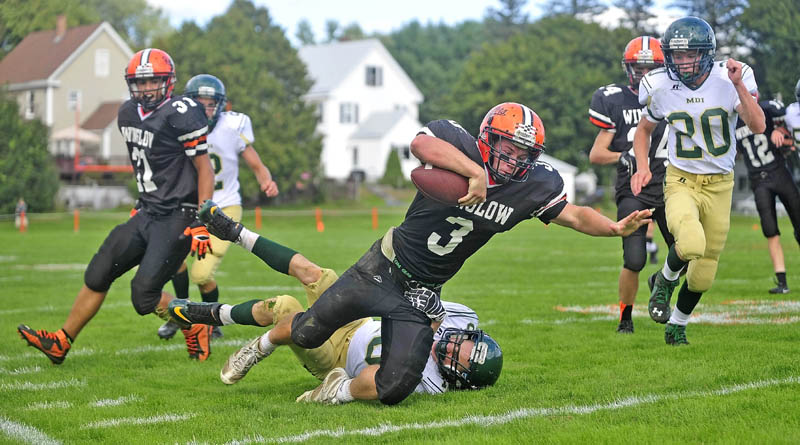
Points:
(28, 386)
(102, 403)
(161, 418)
(24, 433)
(58, 404)
(517, 414)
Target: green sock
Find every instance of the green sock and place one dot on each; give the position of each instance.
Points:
(275, 255)
(243, 313)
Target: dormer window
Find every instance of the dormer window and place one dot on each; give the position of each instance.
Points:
(374, 76)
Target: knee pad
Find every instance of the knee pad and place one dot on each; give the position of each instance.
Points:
(282, 306)
(307, 332)
(144, 296)
(690, 239)
(701, 273)
(634, 253)
(396, 388)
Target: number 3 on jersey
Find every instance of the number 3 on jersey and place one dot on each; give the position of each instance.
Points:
(144, 174)
(456, 236)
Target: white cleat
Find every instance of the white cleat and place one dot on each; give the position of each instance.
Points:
(241, 361)
(326, 392)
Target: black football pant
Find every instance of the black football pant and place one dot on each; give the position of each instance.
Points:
(373, 287)
(634, 249)
(766, 186)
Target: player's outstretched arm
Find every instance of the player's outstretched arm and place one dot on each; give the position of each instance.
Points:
(262, 173)
(442, 154)
(591, 222)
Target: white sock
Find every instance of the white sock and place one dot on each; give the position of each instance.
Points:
(343, 394)
(670, 274)
(651, 247)
(678, 317)
(266, 346)
(225, 314)
(247, 239)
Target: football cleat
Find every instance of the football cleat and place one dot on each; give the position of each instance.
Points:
(675, 335)
(661, 292)
(240, 362)
(625, 327)
(190, 312)
(198, 341)
(55, 345)
(218, 223)
(781, 288)
(326, 392)
(167, 330)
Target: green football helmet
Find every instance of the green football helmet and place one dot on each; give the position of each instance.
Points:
(485, 359)
(686, 34)
(206, 85)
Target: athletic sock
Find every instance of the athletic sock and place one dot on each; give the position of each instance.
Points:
(225, 314)
(687, 299)
(180, 282)
(673, 266)
(625, 311)
(275, 255)
(247, 239)
(650, 246)
(243, 313)
(264, 345)
(343, 394)
(679, 318)
(781, 278)
(210, 297)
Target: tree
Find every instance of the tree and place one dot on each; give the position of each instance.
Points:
(506, 20)
(331, 31)
(135, 20)
(26, 168)
(264, 78)
(393, 175)
(351, 32)
(637, 14)
(304, 33)
(574, 8)
(723, 16)
(550, 67)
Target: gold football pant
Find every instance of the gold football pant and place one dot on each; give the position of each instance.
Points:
(698, 209)
(331, 354)
(202, 271)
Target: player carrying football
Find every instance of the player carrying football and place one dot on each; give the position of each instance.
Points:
(700, 100)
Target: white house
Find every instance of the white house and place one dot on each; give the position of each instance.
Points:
(367, 105)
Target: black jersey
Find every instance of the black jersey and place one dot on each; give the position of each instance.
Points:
(435, 239)
(758, 151)
(616, 108)
(160, 145)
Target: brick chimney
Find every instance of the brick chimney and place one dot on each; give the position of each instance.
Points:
(61, 27)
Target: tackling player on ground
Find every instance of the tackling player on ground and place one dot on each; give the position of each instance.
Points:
(230, 136)
(166, 139)
(700, 100)
(615, 109)
(764, 157)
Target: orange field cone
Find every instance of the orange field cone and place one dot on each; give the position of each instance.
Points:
(76, 220)
(374, 218)
(258, 218)
(318, 216)
(23, 222)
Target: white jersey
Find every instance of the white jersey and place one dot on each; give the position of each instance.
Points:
(365, 347)
(230, 136)
(703, 121)
(792, 120)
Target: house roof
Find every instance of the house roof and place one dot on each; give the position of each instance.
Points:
(102, 116)
(39, 54)
(378, 124)
(329, 64)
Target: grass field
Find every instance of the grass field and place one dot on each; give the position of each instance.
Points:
(547, 294)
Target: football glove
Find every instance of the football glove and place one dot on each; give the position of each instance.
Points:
(135, 208)
(201, 239)
(426, 301)
(628, 162)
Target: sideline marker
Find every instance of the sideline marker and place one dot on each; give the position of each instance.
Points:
(76, 220)
(258, 218)
(318, 216)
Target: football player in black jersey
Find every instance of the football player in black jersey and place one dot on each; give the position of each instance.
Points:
(166, 139)
(615, 109)
(769, 176)
(400, 277)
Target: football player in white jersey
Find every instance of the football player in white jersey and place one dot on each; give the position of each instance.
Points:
(230, 136)
(792, 118)
(701, 100)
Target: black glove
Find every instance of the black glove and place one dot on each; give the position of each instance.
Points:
(628, 162)
(427, 301)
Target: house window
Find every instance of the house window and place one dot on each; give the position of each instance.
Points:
(403, 152)
(348, 113)
(319, 109)
(374, 76)
(102, 63)
(355, 156)
(30, 104)
(73, 100)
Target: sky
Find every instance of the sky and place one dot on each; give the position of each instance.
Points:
(371, 15)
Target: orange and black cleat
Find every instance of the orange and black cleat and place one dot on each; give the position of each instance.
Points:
(198, 341)
(54, 345)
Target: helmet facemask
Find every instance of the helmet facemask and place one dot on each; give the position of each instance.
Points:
(636, 71)
(520, 165)
(483, 366)
(208, 88)
(150, 98)
(690, 72)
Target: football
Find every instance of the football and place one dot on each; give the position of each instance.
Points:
(439, 184)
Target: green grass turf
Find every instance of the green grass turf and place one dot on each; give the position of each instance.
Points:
(568, 377)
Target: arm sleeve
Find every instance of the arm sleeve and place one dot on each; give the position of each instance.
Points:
(599, 114)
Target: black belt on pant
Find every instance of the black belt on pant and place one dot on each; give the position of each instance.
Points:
(408, 280)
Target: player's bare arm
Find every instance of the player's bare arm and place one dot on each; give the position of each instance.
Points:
(591, 222)
(440, 153)
(205, 177)
(600, 154)
(748, 109)
(263, 175)
(641, 147)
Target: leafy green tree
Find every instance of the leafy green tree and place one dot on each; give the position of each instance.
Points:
(637, 13)
(304, 32)
(574, 7)
(332, 31)
(26, 168)
(393, 175)
(135, 20)
(772, 32)
(550, 67)
(723, 16)
(506, 20)
(352, 32)
(264, 78)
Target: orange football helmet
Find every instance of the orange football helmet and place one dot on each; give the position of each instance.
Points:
(518, 124)
(643, 53)
(147, 64)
